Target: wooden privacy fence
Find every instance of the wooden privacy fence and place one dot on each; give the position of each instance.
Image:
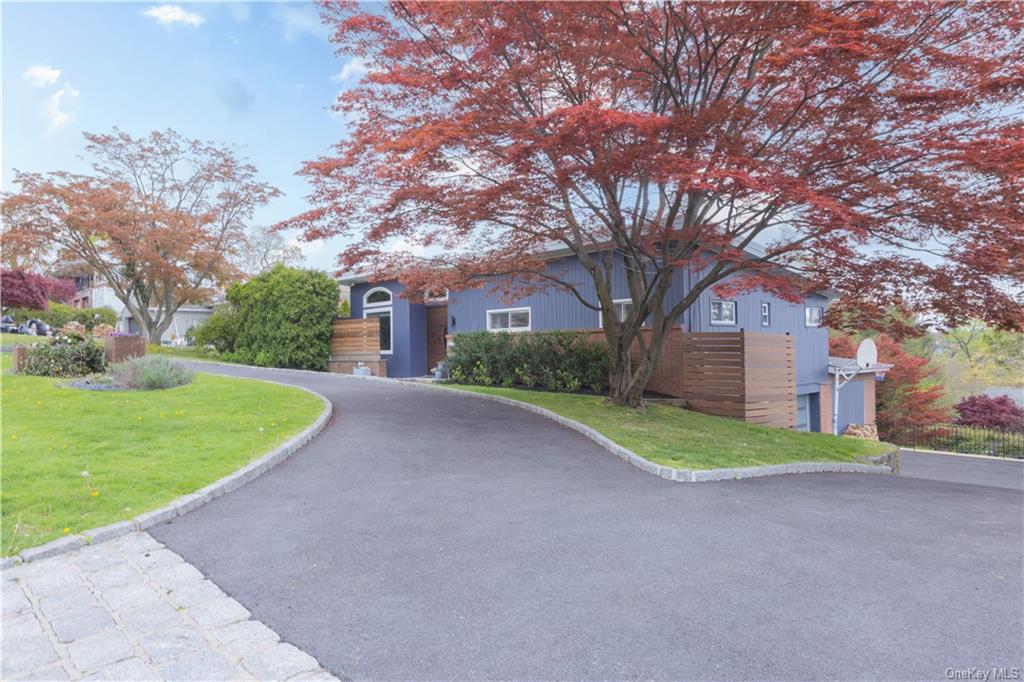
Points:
(355, 339)
(741, 374)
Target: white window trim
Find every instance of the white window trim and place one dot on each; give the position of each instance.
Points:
(600, 313)
(383, 306)
(527, 328)
(735, 313)
(821, 320)
(766, 306)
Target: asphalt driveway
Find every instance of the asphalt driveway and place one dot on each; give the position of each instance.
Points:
(432, 536)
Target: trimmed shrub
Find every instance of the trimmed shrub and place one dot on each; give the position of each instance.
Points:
(150, 373)
(552, 361)
(65, 358)
(58, 315)
(284, 318)
(219, 331)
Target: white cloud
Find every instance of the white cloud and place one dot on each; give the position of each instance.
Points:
(168, 15)
(41, 75)
(54, 108)
(299, 20)
(354, 68)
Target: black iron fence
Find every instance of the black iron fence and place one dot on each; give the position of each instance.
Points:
(966, 439)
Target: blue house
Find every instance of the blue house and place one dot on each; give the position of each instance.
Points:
(413, 336)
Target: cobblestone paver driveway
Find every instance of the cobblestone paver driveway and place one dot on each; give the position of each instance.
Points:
(131, 609)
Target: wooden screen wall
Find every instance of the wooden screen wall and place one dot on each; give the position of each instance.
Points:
(745, 375)
(355, 339)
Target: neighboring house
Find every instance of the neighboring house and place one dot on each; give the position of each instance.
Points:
(94, 293)
(413, 335)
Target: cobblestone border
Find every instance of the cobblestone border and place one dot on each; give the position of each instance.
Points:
(186, 503)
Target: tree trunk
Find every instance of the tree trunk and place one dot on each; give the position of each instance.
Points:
(632, 367)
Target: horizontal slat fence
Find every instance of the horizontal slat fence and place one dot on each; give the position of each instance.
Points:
(743, 375)
(355, 338)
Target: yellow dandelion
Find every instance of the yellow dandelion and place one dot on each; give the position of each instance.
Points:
(66, 531)
(13, 437)
(94, 493)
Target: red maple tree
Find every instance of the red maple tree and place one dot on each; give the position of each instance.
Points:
(20, 289)
(999, 412)
(909, 396)
(873, 147)
(160, 219)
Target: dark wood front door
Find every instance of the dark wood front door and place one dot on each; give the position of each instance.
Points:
(437, 335)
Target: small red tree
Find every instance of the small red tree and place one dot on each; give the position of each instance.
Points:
(873, 147)
(908, 396)
(985, 411)
(160, 219)
(20, 289)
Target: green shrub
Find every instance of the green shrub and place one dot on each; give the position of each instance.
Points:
(552, 361)
(219, 331)
(65, 359)
(151, 372)
(58, 315)
(284, 318)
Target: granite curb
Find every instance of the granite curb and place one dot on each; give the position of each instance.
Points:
(668, 473)
(186, 503)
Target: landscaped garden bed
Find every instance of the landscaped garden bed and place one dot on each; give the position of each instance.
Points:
(77, 459)
(684, 439)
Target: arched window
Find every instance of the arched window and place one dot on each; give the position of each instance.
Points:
(377, 296)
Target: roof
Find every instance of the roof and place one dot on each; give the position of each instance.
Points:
(846, 365)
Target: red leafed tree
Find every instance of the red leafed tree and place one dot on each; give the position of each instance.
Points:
(875, 148)
(160, 218)
(909, 395)
(989, 412)
(20, 289)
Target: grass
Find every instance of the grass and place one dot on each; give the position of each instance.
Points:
(141, 449)
(7, 339)
(186, 352)
(683, 439)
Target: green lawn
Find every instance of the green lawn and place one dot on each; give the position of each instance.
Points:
(683, 439)
(141, 449)
(20, 339)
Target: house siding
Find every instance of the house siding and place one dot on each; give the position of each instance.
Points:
(408, 329)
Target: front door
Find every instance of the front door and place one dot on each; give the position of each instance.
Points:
(437, 335)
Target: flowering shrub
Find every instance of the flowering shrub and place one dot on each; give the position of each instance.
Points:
(103, 329)
(65, 357)
(151, 372)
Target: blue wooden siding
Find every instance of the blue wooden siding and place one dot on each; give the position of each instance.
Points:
(559, 309)
(408, 326)
(851, 405)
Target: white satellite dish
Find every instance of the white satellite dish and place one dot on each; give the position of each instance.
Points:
(867, 354)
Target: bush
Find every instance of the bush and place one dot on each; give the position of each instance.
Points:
(219, 331)
(1000, 413)
(58, 315)
(65, 358)
(284, 318)
(553, 361)
(151, 372)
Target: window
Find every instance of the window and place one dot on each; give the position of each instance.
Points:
(377, 303)
(803, 412)
(723, 312)
(766, 314)
(813, 315)
(509, 320)
(378, 296)
(384, 317)
(621, 306)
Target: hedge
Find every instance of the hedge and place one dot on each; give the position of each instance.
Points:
(59, 314)
(553, 361)
(65, 359)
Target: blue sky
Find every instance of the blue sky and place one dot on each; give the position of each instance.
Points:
(261, 76)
